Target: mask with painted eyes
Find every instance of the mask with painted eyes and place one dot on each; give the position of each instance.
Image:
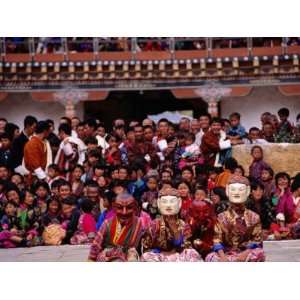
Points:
(237, 192)
(169, 205)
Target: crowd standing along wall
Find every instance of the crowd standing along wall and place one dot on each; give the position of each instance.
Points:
(260, 100)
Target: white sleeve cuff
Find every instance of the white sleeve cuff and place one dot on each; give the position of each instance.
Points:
(39, 172)
(280, 217)
(145, 205)
(225, 144)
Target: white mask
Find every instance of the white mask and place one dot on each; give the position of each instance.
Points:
(169, 205)
(237, 192)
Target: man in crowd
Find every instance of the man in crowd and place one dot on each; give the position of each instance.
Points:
(35, 151)
(18, 145)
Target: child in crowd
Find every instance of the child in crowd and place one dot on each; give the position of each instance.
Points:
(53, 212)
(113, 153)
(239, 170)
(184, 191)
(200, 194)
(10, 236)
(236, 131)
(267, 175)
(77, 184)
(53, 173)
(64, 190)
(219, 200)
(70, 217)
(86, 229)
(42, 193)
(212, 178)
(18, 180)
(149, 197)
(191, 154)
(258, 164)
(285, 129)
(29, 219)
(108, 212)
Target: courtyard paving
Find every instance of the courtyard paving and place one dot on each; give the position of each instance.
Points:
(276, 251)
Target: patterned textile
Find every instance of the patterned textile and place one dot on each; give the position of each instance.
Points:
(237, 232)
(187, 255)
(112, 237)
(159, 243)
(255, 255)
(256, 168)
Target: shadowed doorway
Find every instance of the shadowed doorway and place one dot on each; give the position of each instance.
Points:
(137, 105)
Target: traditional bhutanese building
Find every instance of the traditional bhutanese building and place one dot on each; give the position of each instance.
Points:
(133, 84)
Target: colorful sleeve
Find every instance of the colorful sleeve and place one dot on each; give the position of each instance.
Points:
(218, 237)
(96, 246)
(257, 236)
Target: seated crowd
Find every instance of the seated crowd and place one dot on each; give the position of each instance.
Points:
(146, 191)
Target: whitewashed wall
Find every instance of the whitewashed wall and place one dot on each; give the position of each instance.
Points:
(17, 105)
(260, 100)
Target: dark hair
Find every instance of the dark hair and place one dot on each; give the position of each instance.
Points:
(5, 135)
(256, 147)
(3, 119)
(230, 163)
(79, 167)
(42, 126)
(41, 184)
(220, 191)
(50, 122)
(29, 121)
(66, 128)
(253, 129)
(53, 199)
(148, 127)
(70, 200)
(54, 167)
(298, 117)
(296, 183)
(235, 115)
(10, 129)
(100, 166)
(187, 168)
(65, 183)
(163, 120)
(94, 153)
(241, 168)
(115, 136)
(270, 170)
(91, 123)
(57, 183)
(68, 120)
(91, 140)
(215, 120)
(92, 184)
(86, 205)
(190, 136)
(284, 112)
(11, 203)
(282, 175)
(256, 184)
(206, 115)
(183, 182)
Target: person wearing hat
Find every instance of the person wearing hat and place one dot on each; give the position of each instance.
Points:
(238, 230)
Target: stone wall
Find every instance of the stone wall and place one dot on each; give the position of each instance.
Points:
(281, 157)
